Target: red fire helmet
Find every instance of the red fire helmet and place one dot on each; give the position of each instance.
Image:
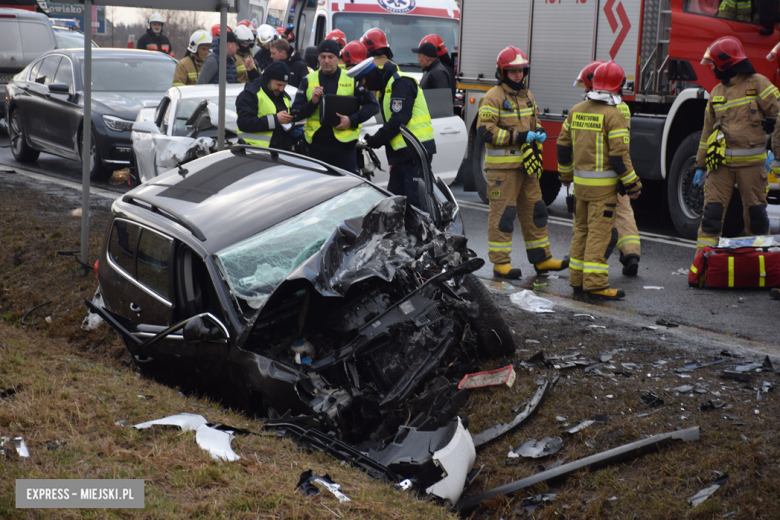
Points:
(337, 36)
(353, 53)
(374, 39)
(215, 30)
(437, 42)
(585, 79)
(510, 58)
(724, 53)
(609, 76)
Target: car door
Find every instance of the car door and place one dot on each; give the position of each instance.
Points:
(37, 100)
(62, 114)
(449, 132)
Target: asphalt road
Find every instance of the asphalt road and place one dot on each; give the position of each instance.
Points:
(738, 313)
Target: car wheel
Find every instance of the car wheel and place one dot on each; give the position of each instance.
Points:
(686, 201)
(477, 155)
(19, 147)
(97, 171)
(551, 186)
(494, 338)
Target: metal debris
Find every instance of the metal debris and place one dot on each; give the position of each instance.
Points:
(531, 503)
(599, 419)
(690, 367)
(21, 447)
(684, 389)
(666, 323)
(535, 450)
(705, 493)
(616, 455)
(500, 376)
(652, 400)
(216, 442)
(307, 487)
(748, 367)
(733, 374)
(710, 405)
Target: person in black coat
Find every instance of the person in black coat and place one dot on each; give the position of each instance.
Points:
(435, 74)
(154, 39)
(281, 51)
(272, 84)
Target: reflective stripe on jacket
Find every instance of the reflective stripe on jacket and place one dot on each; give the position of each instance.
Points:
(187, 71)
(265, 108)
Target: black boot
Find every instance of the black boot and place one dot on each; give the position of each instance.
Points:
(631, 265)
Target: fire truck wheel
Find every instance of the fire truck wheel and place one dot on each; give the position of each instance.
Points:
(685, 200)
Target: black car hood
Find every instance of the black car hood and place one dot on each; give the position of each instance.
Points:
(125, 104)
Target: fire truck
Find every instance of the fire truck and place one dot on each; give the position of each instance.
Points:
(659, 44)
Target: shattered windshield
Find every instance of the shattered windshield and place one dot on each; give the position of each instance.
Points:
(255, 267)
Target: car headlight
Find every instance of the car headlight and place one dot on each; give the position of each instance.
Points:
(118, 125)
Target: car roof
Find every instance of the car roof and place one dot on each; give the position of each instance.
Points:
(24, 14)
(228, 196)
(109, 53)
(199, 91)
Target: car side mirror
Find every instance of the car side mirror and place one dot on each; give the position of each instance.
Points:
(59, 88)
(310, 56)
(199, 330)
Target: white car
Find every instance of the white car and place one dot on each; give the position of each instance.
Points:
(160, 136)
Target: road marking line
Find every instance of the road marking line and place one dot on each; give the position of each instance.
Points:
(650, 237)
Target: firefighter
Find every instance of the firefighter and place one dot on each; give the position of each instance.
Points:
(508, 124)
(444, 59)
(403, 103)
(741, 10)
(154, 39)
(627, 232)
(593, 152)
(375, 41)
(733, 142)
(339, 37)
(244, 60)
(188, 69)
(263, 107)
(332, 144)
(353, 53)
(265, 35)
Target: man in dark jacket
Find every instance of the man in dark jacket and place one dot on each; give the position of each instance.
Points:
(264, 107)
(332, 144)
(435, 74)
(154, 39)
(281, 51)
(210, 71)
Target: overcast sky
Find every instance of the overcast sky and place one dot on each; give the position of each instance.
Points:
(130, 15)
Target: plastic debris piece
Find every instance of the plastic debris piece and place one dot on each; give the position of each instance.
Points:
(307, 487)
(706, 493)
(767, 365)
(216, 442)
(586, 315)
(689, 367)
(140, 396)
(730, 353)
(93, 320)
(185, 421)
(733, 374)
(122, 423)
(21, 447)
(455, 460)
(748, 367)
(666, 323)
(545, 447)
(500, 376)
(766, 387)
(616, 455)
(683, 389)
(653, 288)
(581, 426)
(531, 503)
(518, 406)
(530, 302)
(404, 485)
(652, 400)
(8, 392)
(472, 475)
(537, 360)
(605, 357)
(710, 405)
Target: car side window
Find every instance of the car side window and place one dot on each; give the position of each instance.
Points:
(64, 73)
(121, 248)
(737, 11)
(34, 70)
(47, 70)
(154, 252)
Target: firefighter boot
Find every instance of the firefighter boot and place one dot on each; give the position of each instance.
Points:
(551, 264)
(774, 293)
(607, 294)
(506, 271)
(630, 265)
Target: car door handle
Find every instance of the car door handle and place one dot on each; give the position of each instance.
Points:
(450, 131)
(135, 308)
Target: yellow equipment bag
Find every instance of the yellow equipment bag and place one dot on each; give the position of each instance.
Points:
(532, 158)
(716, 150)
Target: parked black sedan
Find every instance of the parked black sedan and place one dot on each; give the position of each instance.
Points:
(45, 104)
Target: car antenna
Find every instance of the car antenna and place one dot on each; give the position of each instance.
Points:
(182, 171)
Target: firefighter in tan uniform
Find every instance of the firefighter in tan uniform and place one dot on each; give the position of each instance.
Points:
(508, 124)
(188, 69)
(733, 142)
(593, 152)
(627, 232)
(741, 10)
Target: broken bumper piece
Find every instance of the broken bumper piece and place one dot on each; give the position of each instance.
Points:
(613, 456)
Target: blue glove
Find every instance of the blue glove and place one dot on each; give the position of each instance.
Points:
(698, 179)
(769, 158)
(296, 131)
(541, 137)
(531, 136)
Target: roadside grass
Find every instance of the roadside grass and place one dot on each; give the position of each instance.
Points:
(72, 386)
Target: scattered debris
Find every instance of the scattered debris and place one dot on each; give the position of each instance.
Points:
(76, 212)
(27, 314)
(495, 432)
(705, 493)
(680, 271)
(599, 419)
(500, 376)
(653, 288)
(307, 487)
(473, 474)
(766, 387)
(767, 365)
(530, 302)
(535, 450)
(652, 400)
(690, 367)
(122, 423)
(21, 447)
(684, 389)
(729, 353)
(748, 367)
(10, 392)
(666, 323)
(216, 442)
(531, 503)
(710, 405)
(185, 421)
(404, 485)
(585, 315)
(141, 396)
(616, 455)
(733, 374)
(93, 320)
(537, 360)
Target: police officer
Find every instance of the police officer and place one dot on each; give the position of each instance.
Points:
(733, 143)
(263, 107)
(339, 37)
(442, 61)
(244, 59)
(509, 126)
(625, 225)
(188, 69)
(403, 103)
(435, 74)
(593, 152)
(154, 39)
(332, 144)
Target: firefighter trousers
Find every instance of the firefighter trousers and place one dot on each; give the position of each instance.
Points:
(592, 243)
(628, 234)
(753, 185)
(513, 194)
